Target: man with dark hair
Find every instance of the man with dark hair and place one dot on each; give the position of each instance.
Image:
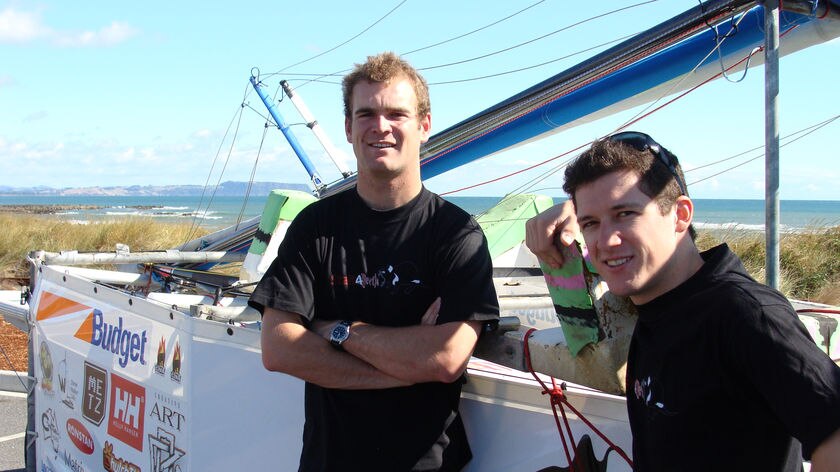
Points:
(378, 295)
(721, 374)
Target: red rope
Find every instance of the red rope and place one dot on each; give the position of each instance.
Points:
(818, 310)
(558, 398)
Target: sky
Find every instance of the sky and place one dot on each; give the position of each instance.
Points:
(103, 93)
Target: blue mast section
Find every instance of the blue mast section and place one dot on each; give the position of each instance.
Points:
(290, 137)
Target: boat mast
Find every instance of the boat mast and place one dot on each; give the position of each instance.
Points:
(338, 157)
(771, 141)
(290, 137)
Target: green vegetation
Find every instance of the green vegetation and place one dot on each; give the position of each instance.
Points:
(810, 261)
(24, 233)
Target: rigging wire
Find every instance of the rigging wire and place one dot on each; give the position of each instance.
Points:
(644, 111)
(195, 224)
(524, 43)
(642, 114)
(730, 33)
(815, 128)
(348, 40)
(224, 167)
(252, 176)
(534, 66)
(464, 35)
(818, 125)
(337, 73)
(256, 162)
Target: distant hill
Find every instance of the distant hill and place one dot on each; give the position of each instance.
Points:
(225, 189)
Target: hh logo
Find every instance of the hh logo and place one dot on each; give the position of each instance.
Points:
(128, 410)
(119, 340)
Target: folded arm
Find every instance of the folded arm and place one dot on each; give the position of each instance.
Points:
(289, 347)
(414, 354)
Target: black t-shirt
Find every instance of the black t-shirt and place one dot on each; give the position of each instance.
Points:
(343, 260)
(722, 375)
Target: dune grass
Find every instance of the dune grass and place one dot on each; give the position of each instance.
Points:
(810, 261)
(23, 233)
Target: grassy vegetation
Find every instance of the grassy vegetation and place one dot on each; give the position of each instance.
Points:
(23, 233)
(810, 261)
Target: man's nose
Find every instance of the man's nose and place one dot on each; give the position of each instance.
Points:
(610, 237)
(381, 123)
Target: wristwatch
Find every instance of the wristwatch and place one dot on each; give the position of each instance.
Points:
(340, 334)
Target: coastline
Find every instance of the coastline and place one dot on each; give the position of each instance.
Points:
(38, 209)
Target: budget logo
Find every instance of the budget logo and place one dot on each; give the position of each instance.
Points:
(128, 410)
(95, 393)
(80, 436)
(128, 345)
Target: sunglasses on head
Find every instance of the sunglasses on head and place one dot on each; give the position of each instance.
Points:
(643, 142)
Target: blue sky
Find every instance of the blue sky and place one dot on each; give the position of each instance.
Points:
(102, 93)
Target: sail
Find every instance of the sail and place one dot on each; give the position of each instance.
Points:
(673, 56)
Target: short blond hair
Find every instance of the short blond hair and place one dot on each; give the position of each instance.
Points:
(385, 67)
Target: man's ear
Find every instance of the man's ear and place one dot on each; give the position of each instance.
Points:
(684, 213)
(425, 127)
(347, 129)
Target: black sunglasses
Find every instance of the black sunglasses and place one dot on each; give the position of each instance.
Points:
(643, 142)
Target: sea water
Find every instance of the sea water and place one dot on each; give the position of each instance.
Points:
(219, 212)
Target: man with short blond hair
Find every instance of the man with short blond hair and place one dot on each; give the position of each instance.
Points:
(378, 295)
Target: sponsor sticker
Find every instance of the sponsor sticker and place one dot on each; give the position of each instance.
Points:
(176, 363)
(50, 428)
(160, 364)
(95, 393)
(113, 336)
(164, 455)
(71, 463)
(167, 416)
(80, 436)
(69, 391)
(112, 463)
(127, 411)
(46, 362)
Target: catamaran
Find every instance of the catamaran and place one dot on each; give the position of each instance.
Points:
(156, 365)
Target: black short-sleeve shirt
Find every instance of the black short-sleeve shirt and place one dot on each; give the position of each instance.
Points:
(343, 260)
(722, 375)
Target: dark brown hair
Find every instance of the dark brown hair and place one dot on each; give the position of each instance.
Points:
(606, 156)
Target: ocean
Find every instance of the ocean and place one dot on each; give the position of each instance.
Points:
(796, 215)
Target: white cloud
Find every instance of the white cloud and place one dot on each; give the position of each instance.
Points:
(115, 33)
(20, 27)
(7, 80)
(37, 116)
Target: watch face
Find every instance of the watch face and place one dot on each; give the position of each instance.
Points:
(340, 333)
